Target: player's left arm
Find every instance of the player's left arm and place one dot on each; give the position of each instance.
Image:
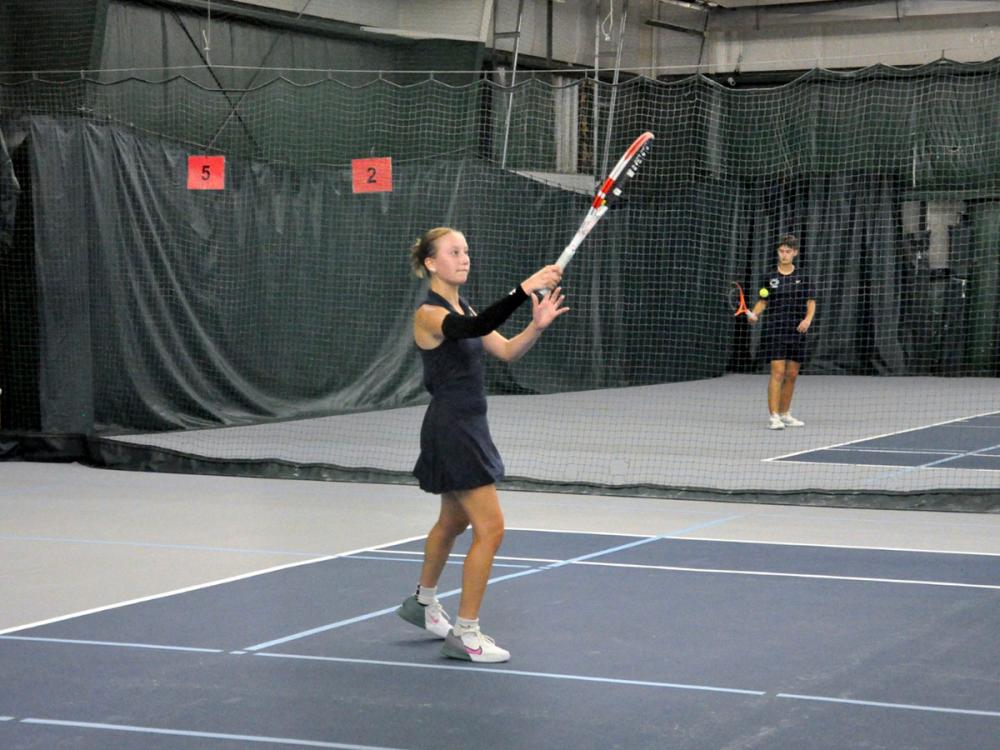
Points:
(542, 315)
(810, 314)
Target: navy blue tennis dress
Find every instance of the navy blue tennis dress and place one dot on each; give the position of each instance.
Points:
(456, 449)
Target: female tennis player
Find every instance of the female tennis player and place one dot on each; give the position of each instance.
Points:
(791, 299)
(458, 459)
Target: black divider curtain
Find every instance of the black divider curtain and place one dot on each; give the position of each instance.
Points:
(19, 301)
(286, 295)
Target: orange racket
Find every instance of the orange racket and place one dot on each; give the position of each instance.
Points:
(737, 302)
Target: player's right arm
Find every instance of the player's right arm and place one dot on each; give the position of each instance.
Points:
(427, 326)
(754, 315)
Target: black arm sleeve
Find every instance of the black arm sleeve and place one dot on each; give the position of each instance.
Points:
(462, 327)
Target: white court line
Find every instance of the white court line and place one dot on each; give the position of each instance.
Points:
(845, 462)
(418, 560)
(516, 673)
(859, 547)
(459, 555)
(878, 704)
(846, 546)
(117, 644)
(876, 437)
(779, 574)
(197, 587)
(729, 571)
(594, 533)
(289, 741)
(906, 451)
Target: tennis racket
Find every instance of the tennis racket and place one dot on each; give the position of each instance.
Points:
(608, 191)
(737, 302)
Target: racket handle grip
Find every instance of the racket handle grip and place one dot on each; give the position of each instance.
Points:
(593, 216)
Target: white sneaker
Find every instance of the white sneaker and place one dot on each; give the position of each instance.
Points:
(775, 423)
(430, 617)
(790, 421)
(472, 645)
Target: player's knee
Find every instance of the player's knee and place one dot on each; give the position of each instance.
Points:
(490, 533)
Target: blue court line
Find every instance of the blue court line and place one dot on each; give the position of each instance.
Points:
(878, 704)
(494, 670)
(323, 628)
(420, 560)
(155, 545)
(202, 735)
(77, 642)
(509, 576)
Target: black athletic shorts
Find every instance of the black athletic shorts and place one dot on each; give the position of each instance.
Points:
(784, 344)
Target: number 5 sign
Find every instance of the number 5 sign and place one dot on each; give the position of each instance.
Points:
(372, 175)
(206, 173)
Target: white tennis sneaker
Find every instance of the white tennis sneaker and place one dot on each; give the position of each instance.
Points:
(430, 617)
(775, 423)
(789, 421)
(472, 645)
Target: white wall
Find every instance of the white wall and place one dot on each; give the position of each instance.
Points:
(765, 37)
(923, 31)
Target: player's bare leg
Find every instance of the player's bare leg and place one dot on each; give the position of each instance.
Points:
(482, 506)
(774, 390)
(785, 398)
(452, 521)
(466, 640)
(788, 386)
(423, 608)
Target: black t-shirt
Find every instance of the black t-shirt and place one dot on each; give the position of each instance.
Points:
(786, 297)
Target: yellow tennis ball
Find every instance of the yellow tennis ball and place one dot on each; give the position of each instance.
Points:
(764, 293)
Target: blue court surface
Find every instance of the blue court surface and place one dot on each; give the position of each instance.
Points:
(617, 642)
(970, 443)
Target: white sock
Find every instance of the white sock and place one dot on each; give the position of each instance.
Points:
(426, 594)
(465, 626)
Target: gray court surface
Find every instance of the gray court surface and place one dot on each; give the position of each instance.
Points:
(700, 434)
(154, 611)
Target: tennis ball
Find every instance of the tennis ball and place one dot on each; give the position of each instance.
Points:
(764, 293)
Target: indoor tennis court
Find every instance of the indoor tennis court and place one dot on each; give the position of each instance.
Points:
(745, 436)
(260, 612)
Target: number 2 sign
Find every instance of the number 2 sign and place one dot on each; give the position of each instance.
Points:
(206, 173)
(372, 175)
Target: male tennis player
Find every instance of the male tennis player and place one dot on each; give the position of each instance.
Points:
(458, 459)
(791, 299)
